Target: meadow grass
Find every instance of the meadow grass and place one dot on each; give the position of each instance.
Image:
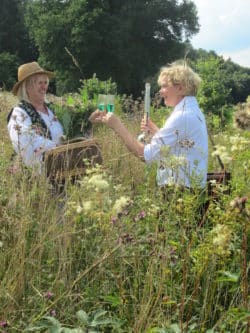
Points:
(112, 242)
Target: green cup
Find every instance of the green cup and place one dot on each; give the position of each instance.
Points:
(101, 102)
(110, 102)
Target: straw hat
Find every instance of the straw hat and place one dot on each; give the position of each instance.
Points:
(27, 70)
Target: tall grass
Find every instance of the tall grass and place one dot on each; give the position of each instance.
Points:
(112, 242)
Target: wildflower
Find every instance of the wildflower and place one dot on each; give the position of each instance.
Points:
(87, 206)
(121, 204)
(78, 209)
(125, 239)
(238, 143)
(98, 183)
(48, 295)
(221, 151)
(221, 239)
(140, 215)
(173, 161)
(180, 205)
(53, 313)
(153, 210)
(114, 220)
(3, 323)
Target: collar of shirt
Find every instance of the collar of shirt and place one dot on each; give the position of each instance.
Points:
(188, 103)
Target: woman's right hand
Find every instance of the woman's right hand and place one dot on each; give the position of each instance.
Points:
(96, 116)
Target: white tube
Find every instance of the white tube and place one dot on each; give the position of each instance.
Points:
(147, 102)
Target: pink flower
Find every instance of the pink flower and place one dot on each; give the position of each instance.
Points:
(48, 295)
(53, 313)
(3, 323)
(140, 216)
(114, 220)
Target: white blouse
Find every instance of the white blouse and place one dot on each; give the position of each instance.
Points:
(27, 141)
(181, 146)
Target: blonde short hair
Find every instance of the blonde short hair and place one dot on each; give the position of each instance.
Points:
(22, 90)
(177, 73)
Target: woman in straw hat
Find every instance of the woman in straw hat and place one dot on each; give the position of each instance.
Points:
(32, 125)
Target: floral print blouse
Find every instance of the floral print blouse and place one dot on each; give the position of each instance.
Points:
(33, 134)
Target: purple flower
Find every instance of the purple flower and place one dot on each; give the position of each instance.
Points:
(3, 323)
(140, 216)
(48, 295)
(53, 313)
(114, 220)
(125, 239)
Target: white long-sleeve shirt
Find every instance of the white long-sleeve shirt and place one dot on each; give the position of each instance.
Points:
(181, 146)
(26, 139)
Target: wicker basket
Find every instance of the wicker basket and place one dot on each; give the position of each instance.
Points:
(71, 159)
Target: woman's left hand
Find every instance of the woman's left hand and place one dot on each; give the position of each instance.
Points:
(103, 117)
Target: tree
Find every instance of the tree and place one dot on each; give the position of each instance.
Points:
(214, 91)
(238, 79)
(13, 33)
(8, 65)
(15, 45)
(125, 40)
(224, 82)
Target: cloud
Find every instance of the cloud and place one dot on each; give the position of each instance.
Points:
(224, 28)
(228, 17)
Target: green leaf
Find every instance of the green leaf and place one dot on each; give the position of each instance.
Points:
(157, 330)
(50, 323)
(99, 313)
(175, 328)
(228, 277)
(102, 322)
(70, 101)
(66, 120)
(83, 317)
(113, 300)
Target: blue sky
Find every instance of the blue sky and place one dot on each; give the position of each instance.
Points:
(224, 28)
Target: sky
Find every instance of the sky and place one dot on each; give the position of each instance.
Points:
(225, 29)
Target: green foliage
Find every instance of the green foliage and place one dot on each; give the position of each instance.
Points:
(94, 322)
(126, 41)
(113, 245)
(214, 92)
(223, 83)
(92, 87)
(14, 38)
(73, 115)
(8, 65)
(76, 109)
